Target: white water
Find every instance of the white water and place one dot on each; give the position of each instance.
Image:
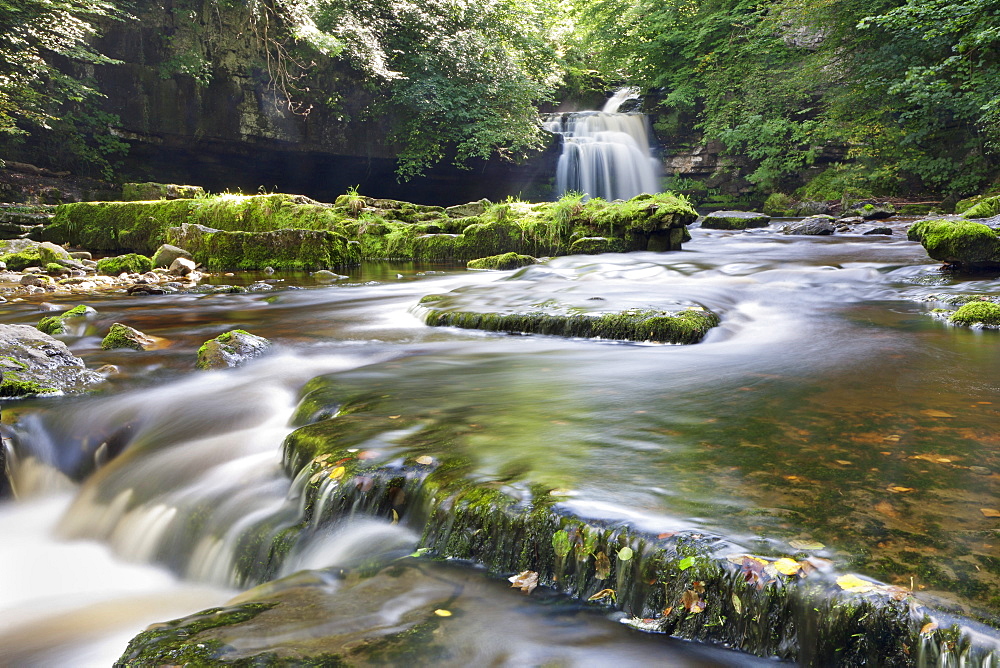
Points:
(605, 153)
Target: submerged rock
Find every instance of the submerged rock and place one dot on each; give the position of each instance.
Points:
(502, 262)
(231, 349)
(34, 363)
(962, 243)
(871, 210)
(123, 336)
(57, 324)
(735, 220)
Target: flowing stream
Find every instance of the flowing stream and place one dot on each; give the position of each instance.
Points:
(829, 406)
(605, 153)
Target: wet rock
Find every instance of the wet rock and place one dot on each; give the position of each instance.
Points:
(810, 208)
(872, 229)
(145, 289)
(871, 210)
(815, 225)
(81, 255)
(735, 220)
(467, 210)
(34, 280)
(505, 261)
(325, 276)
(123, 336)
(182, 266)
(62, 324)
(232, 349)
(850, 220)
(34, 363)
(987, 207)
(963, 243)
(166, 254)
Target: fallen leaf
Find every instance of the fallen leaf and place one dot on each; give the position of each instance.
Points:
(685, 563)
(526, 581)
(395, 516)
(891, 437)
(559, 492)
(604, 593)
(793, 478)
(367, 454)
(666, 534)
(337, 473)
(697, 606)
(667, 611)
(787, 566)
(394, 417)
(602, 566)
(737, 604)
(317, 476)
(698, 586)
(691, 600)
(806, 545)
(929, 627)
(442, 613)
(843, 462)
(934, 459)
(898, 490)
(854, 583)
(426, 460)
(990, 512)
(932, 412)
(625, 553)
(322, 458)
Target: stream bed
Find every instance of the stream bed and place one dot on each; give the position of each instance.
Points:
(828, 407)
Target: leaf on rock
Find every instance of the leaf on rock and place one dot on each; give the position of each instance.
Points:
(666, 534)
(442, 613)
(685, 563)
(526, 581)
(560, 543)
(786, 566)
(603, 594)
(602, 566)
(855, 584)
(806, 544)
(990, 512)
(692, 601)
(337, 473)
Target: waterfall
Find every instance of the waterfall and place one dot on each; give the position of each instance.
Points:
(605, 153)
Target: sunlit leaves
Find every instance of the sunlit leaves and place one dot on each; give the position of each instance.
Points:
(604, 594)
(526, 581)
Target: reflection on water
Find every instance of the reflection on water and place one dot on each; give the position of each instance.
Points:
(828, 406)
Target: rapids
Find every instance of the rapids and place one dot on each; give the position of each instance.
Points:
(827, 385)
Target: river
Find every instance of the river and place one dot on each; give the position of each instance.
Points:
(829, 406)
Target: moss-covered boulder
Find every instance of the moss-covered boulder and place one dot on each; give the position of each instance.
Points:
(735, 220)
(289, 249)
(123, 336)
(986, 207)
(871, 210)
(130, 263)
(61, 324)
(501, 262)
(961, 243)
(155, 191)
(983, 313)
(34, 363)
(231, 349)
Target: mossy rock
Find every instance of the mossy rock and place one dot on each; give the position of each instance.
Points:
(231, 349)
(983, 313)
(56, 324)
(157, 191)
(130, 263)
(123, 336)
(33, 363)
(917, 209)
(685, 326)
(502, 262)
(735, 220)
(596, 246)
(958, 242)
(984, 208)
(871, 210)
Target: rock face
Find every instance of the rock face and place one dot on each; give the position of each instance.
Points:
(735, 220)
(231, 349)
(34, 363)
(962, 243)
(816, 225)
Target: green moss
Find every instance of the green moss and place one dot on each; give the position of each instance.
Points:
(285, 249)
(983, 313)
(687, 326)
(734, 220)
(21, 259)
(120, 336)
(501, 262)
(984, 208)
(13, 386)
(131, 263)
(778, 205)
(54, 268)
(958, 242)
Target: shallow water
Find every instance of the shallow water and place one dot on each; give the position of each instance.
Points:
(828, 406)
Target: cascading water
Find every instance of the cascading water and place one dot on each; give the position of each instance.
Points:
(605, 153)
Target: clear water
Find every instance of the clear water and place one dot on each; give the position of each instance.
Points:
(827, 390)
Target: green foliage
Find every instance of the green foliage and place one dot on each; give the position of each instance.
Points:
(778, 205)
(848, 182)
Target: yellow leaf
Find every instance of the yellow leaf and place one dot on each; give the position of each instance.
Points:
(806, 545)
(929, 627)
(897, 489)
(394, 417)
(337, 473)
(931, 412)
(787, 566)
(526, 581)
(738, 559)
(854, 583)
(426, 460)
(843, 462)
(990, 512)
(604, 593)
(442, 613)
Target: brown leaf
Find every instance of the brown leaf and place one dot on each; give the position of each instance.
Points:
(526, 581)
(896, 489)
(932, 412)
(602, 566)
(604, 593)
(666, 534)
(990, 512)
(929, 627)
(692, 601)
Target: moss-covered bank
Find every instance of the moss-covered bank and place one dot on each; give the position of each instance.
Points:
(370, 229)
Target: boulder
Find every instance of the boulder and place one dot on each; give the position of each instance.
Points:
(872, 210)
(872, 229)
(814, 225)
(123, 336)
(34, 363)
(166, 254)
(982, 313)
(987, 207)
(502, 262)
(810, 208)
(232, 349)
(130, 263)
(61, 324)
(963, 243)
(182, 266)
(327, 276)
(596, 245)
(735, 220)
